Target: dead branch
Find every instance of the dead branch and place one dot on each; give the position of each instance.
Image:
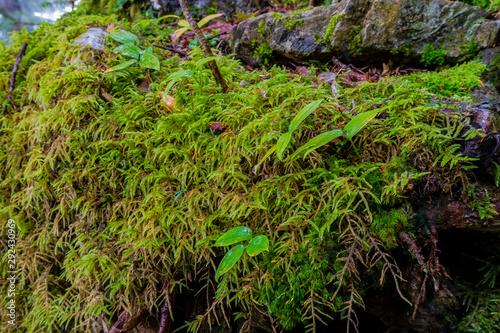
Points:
(204, 45)
(13, 76)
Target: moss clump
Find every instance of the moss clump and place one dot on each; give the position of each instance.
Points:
(290, 23)
(472, 49)
(432, 56)
(262, 52)
(276, 15)
(330, 28)
(261, 29)
(300, 11)
(405, 49)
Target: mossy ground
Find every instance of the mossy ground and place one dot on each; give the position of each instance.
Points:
(116, 197)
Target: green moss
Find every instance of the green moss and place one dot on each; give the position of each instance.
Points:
(355, 42)
(276, 15)
(262, 52)
(290, 23)
(300, 11)
(261, 29)
(114, 196)
(405, 49)
(330, 28)
(472, 49)
(432, 56)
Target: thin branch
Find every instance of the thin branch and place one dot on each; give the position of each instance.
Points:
(14, 73)
(166, 311)
(170, 48)
(204, 45)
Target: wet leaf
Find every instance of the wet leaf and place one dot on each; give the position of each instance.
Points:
(124, 37)
(229, 260)
(177, 34)
(129, 50)
(121, 66)
(149, 61)
(144, 84)
(282, 144)
(316, 142)
(357, 123)
(257, 245)
(234, 235)
(306, 111)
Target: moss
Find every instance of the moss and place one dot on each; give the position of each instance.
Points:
(276, 15)
(330, 28)
(262, 52)
(106, 184)
(405, 49)
(290, 23)
(432, 56)
(472, 49)
(355, 42)
(300, 11)
(261, 29)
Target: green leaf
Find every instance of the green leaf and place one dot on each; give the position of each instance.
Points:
(317, 142)
(229, 260)
(166, 17)
(357, 123)
(206, 19)
(150, 61)
(176, 77)
(204, 61)
(121, 66)
(129, 50)
(270, 151)
(124, 37)
(148, 50)
(257, 245)
(282, 144)
(306, 111)
(234, 235)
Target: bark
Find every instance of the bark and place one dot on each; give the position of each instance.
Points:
(204, 45)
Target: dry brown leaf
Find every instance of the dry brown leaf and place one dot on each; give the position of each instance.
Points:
(107, 96)
(167, 101)
(110, 27)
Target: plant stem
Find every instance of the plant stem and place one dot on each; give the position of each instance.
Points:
(204, 45)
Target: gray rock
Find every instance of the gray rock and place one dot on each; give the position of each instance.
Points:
(369, 32)
(491, 58)
(94, 37)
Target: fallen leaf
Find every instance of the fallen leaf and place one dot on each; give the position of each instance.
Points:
(107, 96)
(303, 70)
(144, 84)
(167, 101)
(110, 27)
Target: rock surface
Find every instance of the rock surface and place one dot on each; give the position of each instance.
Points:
(370, 31)
(94, 37)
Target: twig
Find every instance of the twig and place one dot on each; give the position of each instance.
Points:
(204, 46)
(14, 73)
(169, 48)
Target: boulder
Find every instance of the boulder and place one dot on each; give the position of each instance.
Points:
(412, 31)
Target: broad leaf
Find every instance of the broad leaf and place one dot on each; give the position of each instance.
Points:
(306, 111)
(357, 123)
(234, 235)
(129, 50)
(166, 17)
(184, 24)
(206, 19)
(282, 144)
(257, 245)
(229, 260)
(124, 37)
(147, 50)
(150, 61)
(121, 66)
(317, 142)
